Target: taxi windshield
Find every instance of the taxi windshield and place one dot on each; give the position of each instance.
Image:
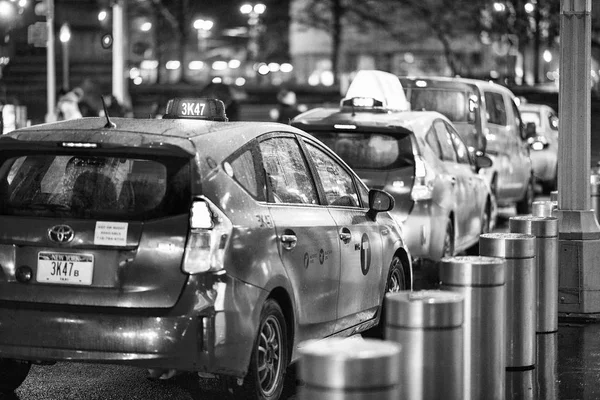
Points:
(364, 150)
(454, 104)
(82, 186)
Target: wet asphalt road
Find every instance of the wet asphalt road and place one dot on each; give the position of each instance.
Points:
(567, 368)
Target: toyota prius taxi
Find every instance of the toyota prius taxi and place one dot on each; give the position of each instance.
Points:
(186, 244)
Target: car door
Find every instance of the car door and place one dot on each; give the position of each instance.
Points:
(459, 177)
(359, 239)
(474, 189)
(307, 235)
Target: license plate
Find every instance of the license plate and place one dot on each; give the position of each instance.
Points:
(65, 268)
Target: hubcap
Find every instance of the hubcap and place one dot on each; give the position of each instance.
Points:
(270, 346)
(396, 282)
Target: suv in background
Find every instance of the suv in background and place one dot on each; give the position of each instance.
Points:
(488, 119)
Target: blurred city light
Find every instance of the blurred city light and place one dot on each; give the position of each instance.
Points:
(7, 10)
(102, 15)
(234, 64)
(240, 81)
(138, 80)
(273, 67)
(286, 67)
(499, 7)
(263, 69)
(217, 79)
(65, 33)
(146, 26)
(547, 56)
(22, 3)
(134, 73)
(219, 65)
(196, 65)
(172, 64)
(529, 8)
(203, 24)
(150, 64)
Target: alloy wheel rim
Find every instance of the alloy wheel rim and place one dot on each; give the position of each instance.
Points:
(270, 348)
(395, 279)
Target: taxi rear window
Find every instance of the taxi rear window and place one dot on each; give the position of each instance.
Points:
(364, 150)
(454, 104)
(83, 186)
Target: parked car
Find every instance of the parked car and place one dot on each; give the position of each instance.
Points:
(541, 124)
(488, 119)
(442, 201)
(186, 244)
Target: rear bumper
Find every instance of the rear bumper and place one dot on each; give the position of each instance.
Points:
(202, 332)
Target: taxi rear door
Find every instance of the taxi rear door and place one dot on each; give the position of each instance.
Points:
(306, 235)
(359, 238)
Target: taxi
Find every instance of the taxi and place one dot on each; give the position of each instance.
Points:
(442, 202)
(541, 123)
(188, 243)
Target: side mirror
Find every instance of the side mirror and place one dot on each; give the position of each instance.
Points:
(379, 201)
(530, 130)
(482, 161)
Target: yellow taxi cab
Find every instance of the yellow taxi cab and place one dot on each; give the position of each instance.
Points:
(442, 201)
(186, 244)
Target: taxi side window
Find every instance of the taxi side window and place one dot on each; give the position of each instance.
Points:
(433, 142)
(462, 152)
(496, 110)
(288, 179)
(448, 153)
(337, 182)
(244, 173)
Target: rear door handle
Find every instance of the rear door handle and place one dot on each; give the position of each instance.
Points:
(289, 241)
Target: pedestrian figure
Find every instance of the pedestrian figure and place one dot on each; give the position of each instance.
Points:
(68, 106)
(287, 107)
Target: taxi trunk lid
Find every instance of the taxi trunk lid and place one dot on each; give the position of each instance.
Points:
(107, 229)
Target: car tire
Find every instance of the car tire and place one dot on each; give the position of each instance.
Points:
(448, 245)
(396, 281)
(525, 205)
(12, 374)
(269, 360)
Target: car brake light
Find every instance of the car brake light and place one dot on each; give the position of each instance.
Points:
(423, 186)
(209, 235)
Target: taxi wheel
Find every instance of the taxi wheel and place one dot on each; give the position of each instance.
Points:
(12, 374)
(396, 282)
(269, 360)
(448, 245)
(525, 205)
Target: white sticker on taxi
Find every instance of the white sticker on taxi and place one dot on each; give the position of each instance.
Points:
(111, 233)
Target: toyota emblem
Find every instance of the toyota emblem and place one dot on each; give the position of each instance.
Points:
(61, 233)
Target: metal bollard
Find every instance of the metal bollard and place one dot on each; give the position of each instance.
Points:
(519, 252)
(428, 325)
(545, 230)
(349, 369)
(544, 208)
(481, 280)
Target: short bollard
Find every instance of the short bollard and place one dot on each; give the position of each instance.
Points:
(349, 369)
(428, 325)
(481, 280)
(519, 252)
(543, 208)
(554, 195)
(545, 230)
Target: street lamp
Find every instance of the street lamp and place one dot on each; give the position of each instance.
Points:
(253, 12)
(65, 37)
(203, 27)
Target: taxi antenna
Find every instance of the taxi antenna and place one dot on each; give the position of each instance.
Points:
(109, 123)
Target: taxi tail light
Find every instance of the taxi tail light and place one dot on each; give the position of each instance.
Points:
(423, 186)
(209, 235)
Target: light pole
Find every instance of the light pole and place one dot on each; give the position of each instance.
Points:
(253, 12)
(203, 27)
(65, 37)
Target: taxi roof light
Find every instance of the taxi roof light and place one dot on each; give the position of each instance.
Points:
(196, 108)
(380, 87)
